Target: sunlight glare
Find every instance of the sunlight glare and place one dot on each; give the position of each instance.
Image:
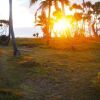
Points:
(61, 26)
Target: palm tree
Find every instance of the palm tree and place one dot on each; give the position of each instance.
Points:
(63, 2)
(56, 4)
(48, 4)
(33, 1)
(43, 5)
(76, 7)
(83, 25)
(96, 12)
(16, 51)
(63, 8)
(43, 22)
(87, 16)
(77, 17)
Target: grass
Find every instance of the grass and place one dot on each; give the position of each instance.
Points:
(64, 70)
(96, 82)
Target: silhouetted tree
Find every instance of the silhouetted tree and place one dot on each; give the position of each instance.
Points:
(88, 12)
(77, 17)
(63, 3)
(96, 12)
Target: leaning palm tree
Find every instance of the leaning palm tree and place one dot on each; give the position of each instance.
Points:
(32, 2)
(42, 7)
(43, 22)
(45, 4)
(11, 31)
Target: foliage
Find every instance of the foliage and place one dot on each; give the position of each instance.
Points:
(83, 13)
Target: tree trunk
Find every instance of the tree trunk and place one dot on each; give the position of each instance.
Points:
(56, 4)
(93, 29)
(49, 12)
(11, 31)
(8, 39)
(89, 27)
(96, 26)
(63, 7)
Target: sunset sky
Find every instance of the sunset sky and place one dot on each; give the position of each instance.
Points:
(23, 15)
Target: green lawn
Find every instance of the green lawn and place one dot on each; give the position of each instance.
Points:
(61, 71)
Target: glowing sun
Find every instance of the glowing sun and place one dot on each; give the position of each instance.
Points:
(61, 26)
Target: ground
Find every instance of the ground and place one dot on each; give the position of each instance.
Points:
(50, 73)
